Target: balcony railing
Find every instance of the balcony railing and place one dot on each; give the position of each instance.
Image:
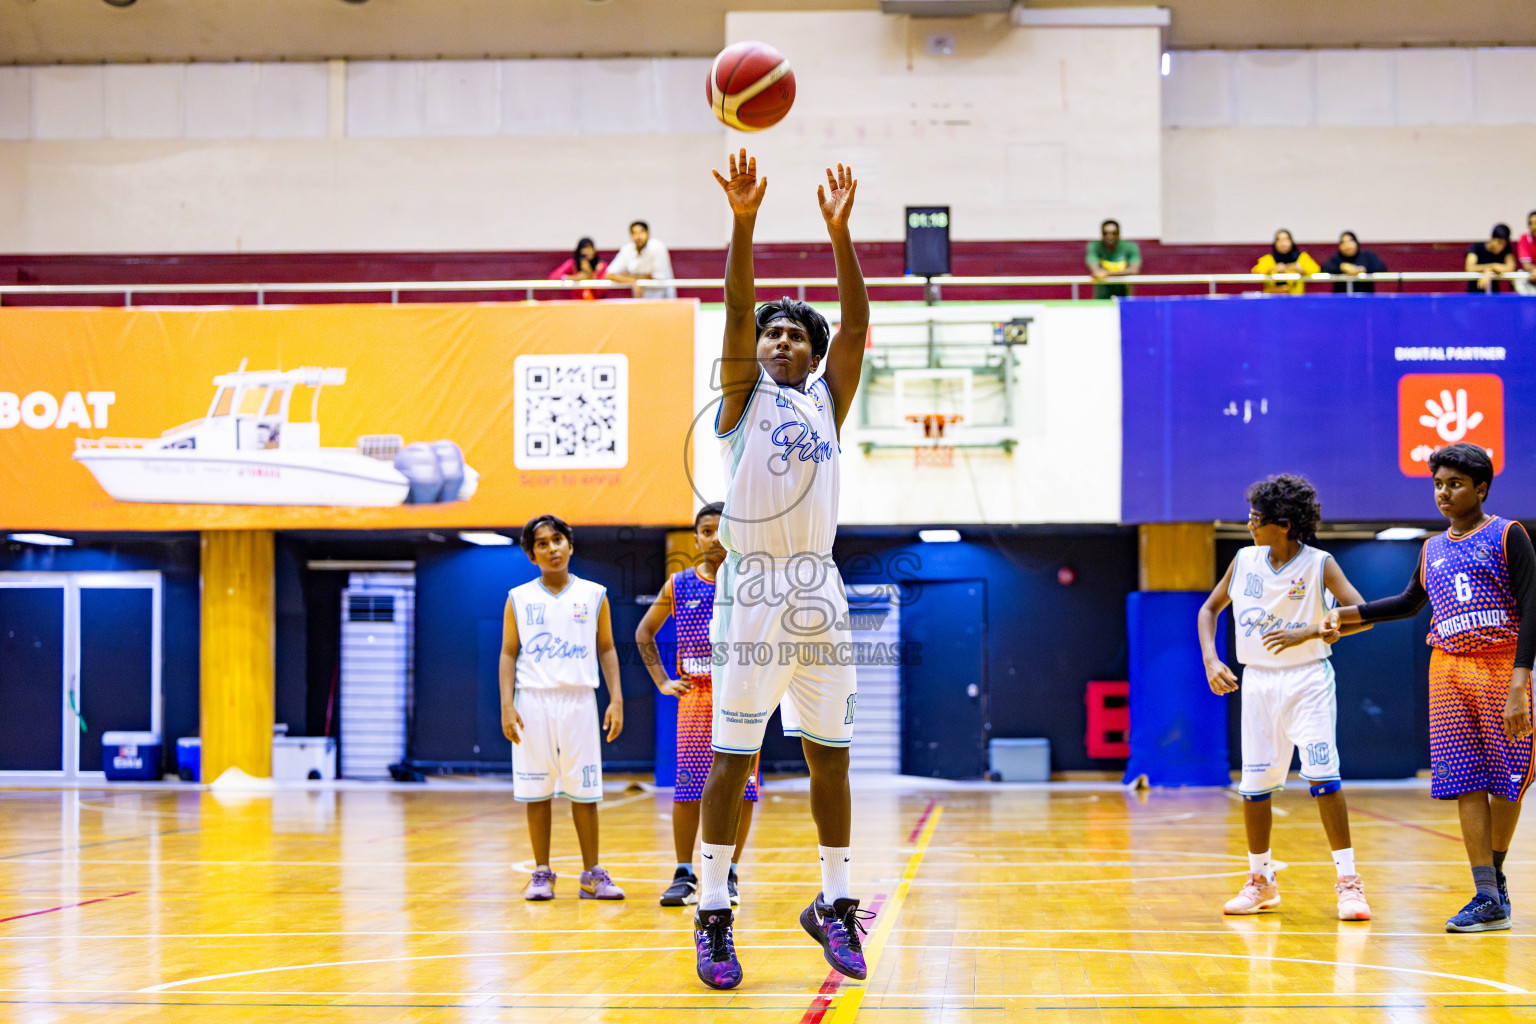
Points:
(931, 289)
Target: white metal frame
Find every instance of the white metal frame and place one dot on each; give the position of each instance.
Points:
(940, 375)
(71, 584)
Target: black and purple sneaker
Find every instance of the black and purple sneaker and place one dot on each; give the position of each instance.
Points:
(717, 964)
(837, 926)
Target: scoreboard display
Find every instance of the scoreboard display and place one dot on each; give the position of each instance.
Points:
(927, 240)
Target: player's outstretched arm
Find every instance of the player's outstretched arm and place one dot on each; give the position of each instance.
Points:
(1330, 629)
(511, 724)
(608, 659)
(739, 370)
(1218, 676)
(1400, 606)
(845, 354)
(645, 640)
(1344, 593)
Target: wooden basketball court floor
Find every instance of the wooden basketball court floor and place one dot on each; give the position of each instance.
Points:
(1069, 903)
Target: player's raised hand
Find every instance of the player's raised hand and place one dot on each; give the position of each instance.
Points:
(613, 719)
(836, 196)
(1220, 678)
(744, 190)
(511, 723)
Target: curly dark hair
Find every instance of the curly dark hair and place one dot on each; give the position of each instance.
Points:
(1289, 499)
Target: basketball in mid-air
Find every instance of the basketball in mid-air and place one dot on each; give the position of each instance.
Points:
(751, 86)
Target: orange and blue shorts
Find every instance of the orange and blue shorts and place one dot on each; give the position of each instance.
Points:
(695, 721)
(1468, 751)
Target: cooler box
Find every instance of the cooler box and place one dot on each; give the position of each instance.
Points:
(296, 758)
(130, 756)
(1021, 760)
(189, 758)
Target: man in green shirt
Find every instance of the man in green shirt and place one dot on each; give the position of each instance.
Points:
(1111, 257)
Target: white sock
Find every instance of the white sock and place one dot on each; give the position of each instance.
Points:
(1262, 864)
(1344, 861)
(714, 873)
(834, 872)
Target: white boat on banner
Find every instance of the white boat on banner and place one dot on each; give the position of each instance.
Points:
(246, 451)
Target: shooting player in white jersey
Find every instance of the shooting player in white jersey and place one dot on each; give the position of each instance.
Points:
(780, 609)
(1279, 607)
(555, 633)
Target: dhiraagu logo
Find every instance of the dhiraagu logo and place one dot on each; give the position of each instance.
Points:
(1437, 409)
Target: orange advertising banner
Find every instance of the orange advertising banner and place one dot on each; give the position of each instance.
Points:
(345, 417)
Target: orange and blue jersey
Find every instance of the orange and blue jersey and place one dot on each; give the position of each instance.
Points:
(1469, 588)
(693, 605)
(1474, 629)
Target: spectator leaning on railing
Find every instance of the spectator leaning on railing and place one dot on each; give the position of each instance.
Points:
(1351, 261)
(644, 259)
(1490, 258)
(1284, 258)
(1525, 252)
(583, 265)
(1111, 256)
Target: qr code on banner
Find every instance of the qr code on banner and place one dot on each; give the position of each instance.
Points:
(571, 411)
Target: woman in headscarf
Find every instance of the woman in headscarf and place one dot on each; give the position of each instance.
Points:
(1351, 261)
(1284, 258)
(583, 265)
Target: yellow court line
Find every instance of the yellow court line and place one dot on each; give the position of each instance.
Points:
(847, 1008)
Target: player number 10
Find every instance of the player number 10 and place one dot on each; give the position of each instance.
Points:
(1463, 586)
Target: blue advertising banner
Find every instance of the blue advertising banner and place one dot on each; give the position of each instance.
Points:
(1352, 392)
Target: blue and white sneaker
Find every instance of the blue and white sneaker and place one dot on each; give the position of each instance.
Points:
(1483, 914)
(1509, 908)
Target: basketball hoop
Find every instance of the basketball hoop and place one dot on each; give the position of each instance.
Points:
(935, 452)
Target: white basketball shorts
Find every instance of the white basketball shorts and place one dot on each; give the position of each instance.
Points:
(781, 631)
(559, 752)
(1285, 709)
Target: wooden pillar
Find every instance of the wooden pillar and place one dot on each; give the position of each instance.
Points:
(682, 550)
(238, 634)
(1177, 556)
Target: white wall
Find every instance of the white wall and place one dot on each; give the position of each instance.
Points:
(1024, 132)
(445, 155)
(1064, 469)
(1019, 130)
(1397, 145)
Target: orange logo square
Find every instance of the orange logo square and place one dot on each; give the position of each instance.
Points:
(1437, 409)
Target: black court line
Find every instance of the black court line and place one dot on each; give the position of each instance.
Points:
(102, 842)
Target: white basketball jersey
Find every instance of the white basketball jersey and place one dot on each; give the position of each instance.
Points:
(557, 634)
(1266, 599)
(782, 464)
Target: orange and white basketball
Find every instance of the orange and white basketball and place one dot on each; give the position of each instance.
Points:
(751, 86)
